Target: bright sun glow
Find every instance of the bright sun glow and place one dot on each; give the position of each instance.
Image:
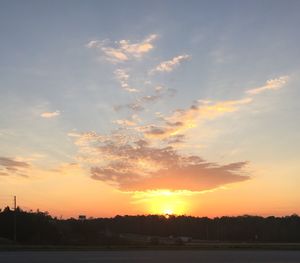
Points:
(164, 202)
(168, 212)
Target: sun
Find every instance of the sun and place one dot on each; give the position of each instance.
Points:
(165, 202)
(168, 211)
(167, 207)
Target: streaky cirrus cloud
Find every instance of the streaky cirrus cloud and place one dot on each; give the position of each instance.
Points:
(49, 114)
(123, 50)
(9, 166)
(272, 84)
(9, 162)
(170, 65)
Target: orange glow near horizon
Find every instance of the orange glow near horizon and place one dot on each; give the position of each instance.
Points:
(163, 202)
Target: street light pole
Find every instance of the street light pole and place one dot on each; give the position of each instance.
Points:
(15, 219)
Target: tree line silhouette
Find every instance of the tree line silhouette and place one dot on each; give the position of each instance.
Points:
(39, 228)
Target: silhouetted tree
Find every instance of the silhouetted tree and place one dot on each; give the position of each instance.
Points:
(40, 228)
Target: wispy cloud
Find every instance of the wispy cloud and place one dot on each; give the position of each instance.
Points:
(123, 50)
(138, 49)
(49, 115)
(68, 169)
(125, 122)
(170, 65)
(134, 106)
(10, 166)
(175, 139)
(182, 120)
(202, 110)
(272, 84)
(123, 76)
(139, 104)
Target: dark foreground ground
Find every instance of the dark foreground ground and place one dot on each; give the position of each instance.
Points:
(160, 256)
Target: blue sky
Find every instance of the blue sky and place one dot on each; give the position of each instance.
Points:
(60, 82)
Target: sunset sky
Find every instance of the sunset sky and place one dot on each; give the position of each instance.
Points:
(150, 107)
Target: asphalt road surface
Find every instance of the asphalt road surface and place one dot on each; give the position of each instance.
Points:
(161, 256)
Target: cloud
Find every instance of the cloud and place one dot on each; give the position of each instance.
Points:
(151, 98)
(114, 55)
(190, 177)
(8, 162)
(49, 115)
(182, 120)
(68, 169)
(203, 110)
(139, 103)
(122, 76)
(132, 164)
(141, 156)
(131, 121)
(125, 122)
(170, 65)
(138, 49)
(123, 50)
(10, 166)
(135, 106)
(272, 84)
(175, 139)
(111, 54)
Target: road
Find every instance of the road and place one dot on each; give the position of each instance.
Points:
(160, 256)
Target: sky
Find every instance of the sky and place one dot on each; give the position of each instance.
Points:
(150, 107)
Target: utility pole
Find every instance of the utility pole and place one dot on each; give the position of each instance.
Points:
(15, 219)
